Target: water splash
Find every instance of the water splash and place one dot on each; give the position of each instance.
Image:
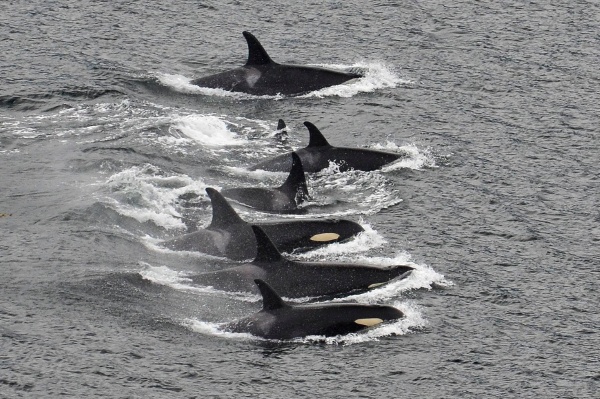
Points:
(415, 158)
(377, 76)
(145, 193)
(208, 130)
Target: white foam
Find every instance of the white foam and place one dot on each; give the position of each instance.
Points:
(145, 194)
(258, 174)
(377, 76)
(416, 158)
(207, 129)
(162, 275)
(207, 328)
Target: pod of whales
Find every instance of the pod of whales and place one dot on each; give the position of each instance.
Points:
(263, 76)
(319, 153)
(275, 276)
(228, 235)
(283, 199)
(281, 320)
(295, 279)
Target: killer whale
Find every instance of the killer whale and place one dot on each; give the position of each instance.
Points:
(281, 320)
(228, 235)
(295, 279)
(319, 153)
(283, 199)
(263, 76)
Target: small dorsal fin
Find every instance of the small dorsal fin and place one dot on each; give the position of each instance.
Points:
(316, 137)
(281, 132)
(271, 299)
(222, 213)
(266, 251)
(295, 185)
(257, 55)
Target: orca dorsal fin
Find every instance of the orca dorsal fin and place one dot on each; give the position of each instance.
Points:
(295, 184)
(281, 124)
(271, 299)
(222, 213)
(266, 251)
(257, 55)
(316, 137)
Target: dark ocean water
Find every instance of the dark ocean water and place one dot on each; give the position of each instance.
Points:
(106, 149)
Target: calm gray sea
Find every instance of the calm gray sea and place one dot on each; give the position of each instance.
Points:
(106, 149)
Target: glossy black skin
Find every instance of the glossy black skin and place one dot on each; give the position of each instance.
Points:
(319, 153)
(262, 76)
(281, 320)
(296, 279)
(284, 199)
(230, 236)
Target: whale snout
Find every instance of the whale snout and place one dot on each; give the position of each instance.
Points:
(355, 73)
(401, 270)
(381, 312)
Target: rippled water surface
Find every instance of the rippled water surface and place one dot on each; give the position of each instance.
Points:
(106, 150)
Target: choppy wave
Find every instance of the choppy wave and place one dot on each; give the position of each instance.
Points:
(352, 192)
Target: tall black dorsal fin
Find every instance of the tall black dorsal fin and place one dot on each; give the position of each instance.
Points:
(281, 125)
(266, 251)
(295, 185)
(316, 137)
(222, 213)
(257, 55)
(271, 299)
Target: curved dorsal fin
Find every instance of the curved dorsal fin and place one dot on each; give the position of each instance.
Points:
(271, 299)
(257, 55)
(295, 184)
(222, 213)
(266, 251)
(316, 137)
